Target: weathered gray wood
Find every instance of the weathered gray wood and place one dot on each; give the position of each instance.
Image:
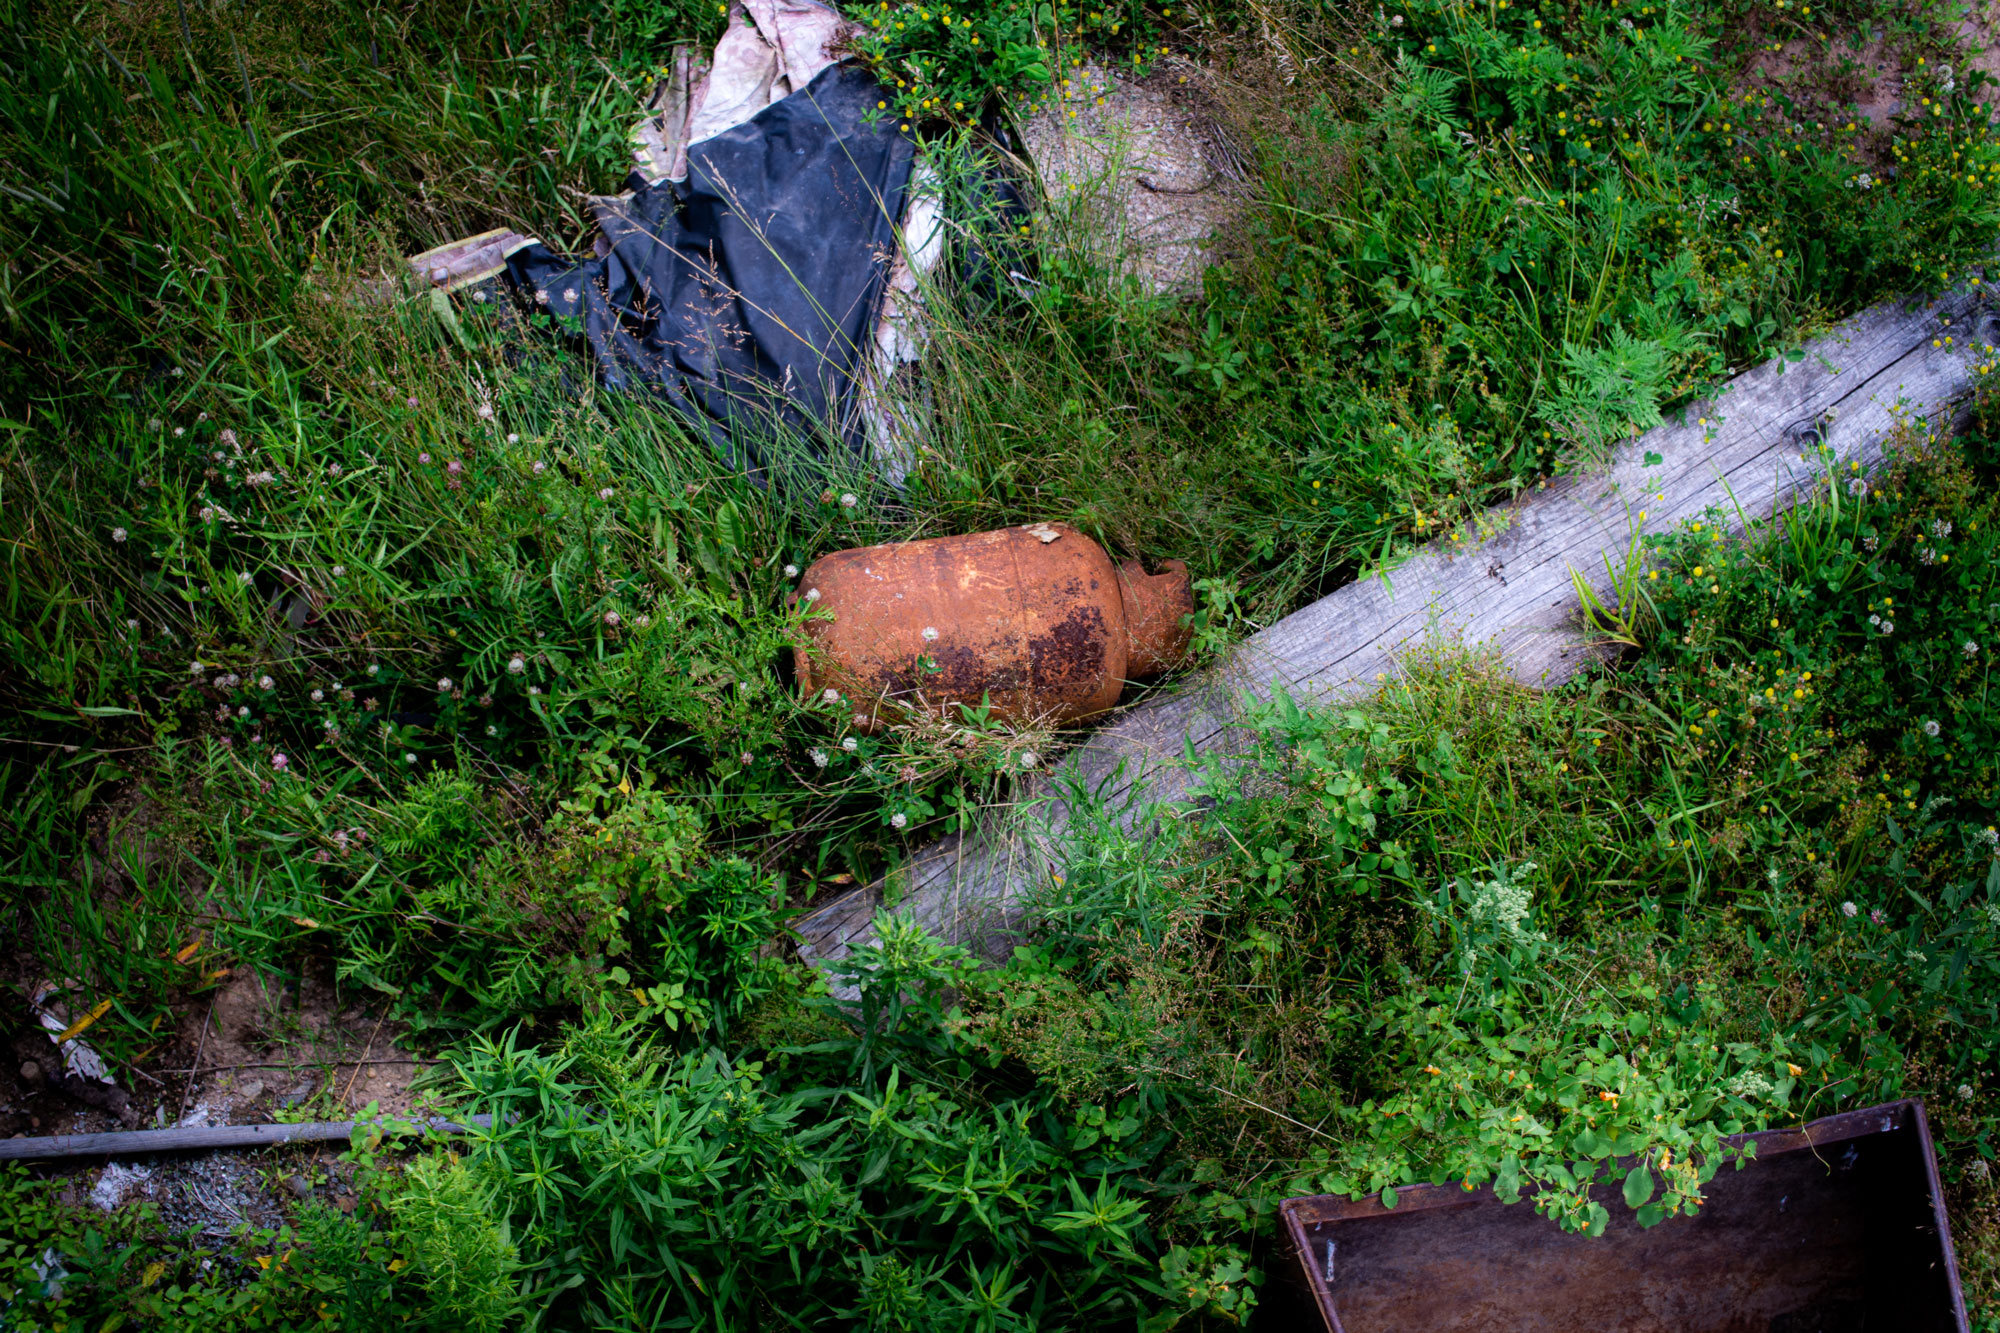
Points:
(1512, 592)
(134, 1143)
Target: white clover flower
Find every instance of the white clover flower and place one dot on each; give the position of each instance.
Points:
(266, 683)
(374, 668)
(930, 634)
(898, 820)
(492, 730)
(246, 578)
(153, 423)
(179, 430)
(333, 469)
(569, 294)
(340, 571)
(847, 500)
(1965, 1092)
(643, 621)
(819, 758)
(611, 619)
(196, 668)
(1029, 759)
(849, 744)
(605, 494)
(534, 689)
(132, 624)
(513, 437)
(812, 594)
(1888, 627)
(484, 412)
(791, 571)
(318, 695)
(243, 712)
(228, 437)
(1969, 648)
(1849, 910)
(409, 757)
(540, 467)
(1857, 487)
(746, 759)
(516, 664)
(1931, 727)
(331, 726)
(118, 534)
(831, 696)
(207, 513)
(444, 684)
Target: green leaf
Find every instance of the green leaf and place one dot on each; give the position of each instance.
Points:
(1638, 1186)
(1388, 1196)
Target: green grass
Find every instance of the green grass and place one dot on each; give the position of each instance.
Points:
(539, 775)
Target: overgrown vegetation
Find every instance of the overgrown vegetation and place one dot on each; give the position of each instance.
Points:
(360, 633)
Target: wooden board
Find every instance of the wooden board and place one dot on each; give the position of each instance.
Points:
(1758, 452)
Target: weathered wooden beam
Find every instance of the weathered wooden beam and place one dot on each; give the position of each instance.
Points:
(1757, 452)
(137, 1142)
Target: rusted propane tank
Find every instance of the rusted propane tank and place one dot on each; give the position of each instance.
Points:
(1035, 619)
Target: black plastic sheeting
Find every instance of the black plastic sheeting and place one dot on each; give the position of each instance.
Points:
(746, 295)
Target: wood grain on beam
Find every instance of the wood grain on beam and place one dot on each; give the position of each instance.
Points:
(1510, 592)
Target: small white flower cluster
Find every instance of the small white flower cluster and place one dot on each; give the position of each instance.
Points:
(1857, 488)
(1504, 905)
(898, 820)
(1885, 625)
(1849, 910)
(1941, 528)
(819, 758)
(1970, 649)
(849, 744)
(1864, 181)
(1750, 1085)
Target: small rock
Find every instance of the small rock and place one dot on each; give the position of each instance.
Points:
(297, 1094)
(250, 1091)
(31, 1072)
(300, 1186)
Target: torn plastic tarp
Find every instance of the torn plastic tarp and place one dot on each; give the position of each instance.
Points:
(745, 295)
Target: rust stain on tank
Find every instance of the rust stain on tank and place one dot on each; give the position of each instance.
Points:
(1034, 619)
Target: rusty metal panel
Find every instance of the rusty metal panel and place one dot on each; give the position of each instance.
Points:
(1835, 1227)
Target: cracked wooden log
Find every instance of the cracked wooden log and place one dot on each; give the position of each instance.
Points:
(1769, 436)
